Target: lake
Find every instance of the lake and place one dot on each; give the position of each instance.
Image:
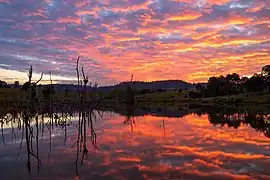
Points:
(135, 144)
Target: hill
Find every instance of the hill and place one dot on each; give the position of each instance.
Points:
(153, 85)
(138, 85)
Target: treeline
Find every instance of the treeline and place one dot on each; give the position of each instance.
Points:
(234, 84)
(230, 84)
(4, 84)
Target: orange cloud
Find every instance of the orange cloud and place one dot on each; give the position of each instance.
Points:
(179, 39)
(69, 20)
(185, 16)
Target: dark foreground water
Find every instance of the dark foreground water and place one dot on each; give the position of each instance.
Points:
(209, 146)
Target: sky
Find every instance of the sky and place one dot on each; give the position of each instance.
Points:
(152, 39)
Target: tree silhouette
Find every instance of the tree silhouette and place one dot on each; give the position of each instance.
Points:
(266, 70)
(218, 86)
(233, 77)
(255, 83)
(16, 84)
(3, 84)
(26, 86)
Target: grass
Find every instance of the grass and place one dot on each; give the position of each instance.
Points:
(162, 96)
(181, 97)
(11, 93)
(242, 98)
(166, 98)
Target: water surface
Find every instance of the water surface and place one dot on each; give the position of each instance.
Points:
(192, 146)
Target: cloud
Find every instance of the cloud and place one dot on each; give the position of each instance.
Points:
(152, 39)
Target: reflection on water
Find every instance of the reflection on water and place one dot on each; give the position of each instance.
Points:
(136, 144)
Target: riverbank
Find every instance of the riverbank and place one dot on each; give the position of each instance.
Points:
(182, 97)
(12, 97)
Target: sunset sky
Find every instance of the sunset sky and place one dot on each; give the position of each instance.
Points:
(152, 39)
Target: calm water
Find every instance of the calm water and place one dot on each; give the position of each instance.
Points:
(144, 147)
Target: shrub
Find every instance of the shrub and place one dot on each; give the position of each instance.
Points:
(193, 94)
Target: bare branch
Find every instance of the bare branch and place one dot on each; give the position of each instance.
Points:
(83, 73)
(51, 77)
(39, 78)
(77, 69)
(85, 78)
(30, 73)
(131, 80)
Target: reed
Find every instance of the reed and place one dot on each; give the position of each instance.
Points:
(36, 117)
